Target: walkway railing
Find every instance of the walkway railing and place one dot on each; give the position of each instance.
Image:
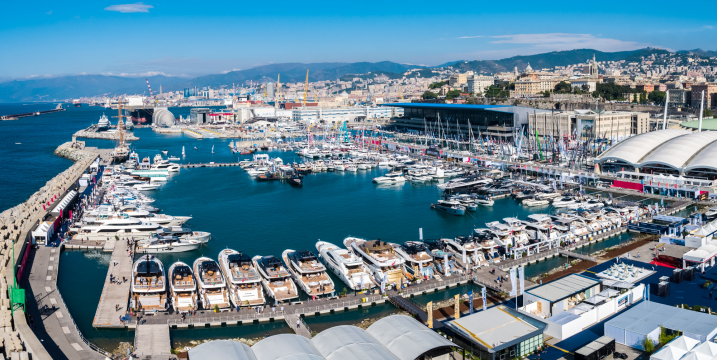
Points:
(89, 343)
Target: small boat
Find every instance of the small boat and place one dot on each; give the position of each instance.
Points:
(195, 148)
(146, 187)
(165, 152)
(267, 177)
(183, 154)
(212, 149)
(173, 158)
(535, 202)
(297, 181)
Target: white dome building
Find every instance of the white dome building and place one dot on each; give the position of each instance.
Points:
(163, 117)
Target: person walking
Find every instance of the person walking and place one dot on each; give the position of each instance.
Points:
(298, 323)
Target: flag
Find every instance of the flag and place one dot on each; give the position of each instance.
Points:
(484, 298)
(470, 302)
(513, 289)
(521, 276)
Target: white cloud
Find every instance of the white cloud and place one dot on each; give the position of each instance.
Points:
(708, 27)
(49, 12)
(228, 71)
(564, 41)
(130, 8)
(470, 37)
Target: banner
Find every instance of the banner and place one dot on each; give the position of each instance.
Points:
(482, 293)
(521, 277)
(429, 311)
(457, 310)
(470, 302)
(513, 287)
(420, 233)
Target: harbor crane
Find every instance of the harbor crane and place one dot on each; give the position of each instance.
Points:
(151, 93)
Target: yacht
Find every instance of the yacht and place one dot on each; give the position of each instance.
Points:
(547, 195)
(146, 187)
(380, 257)
(344, 264)
(484, 200)
(166, 244)
(165, 166)
(442, 256)
(122, 228)
(212, 288)
(149, 289)
(418, 263)
(535, 202)
(452, 207)
(711, 214)
(308, 272)
(563, 202)
(390, 178)
(103, 124)
(185, 233)
(244, 280)
(275, 278)
(182, 286)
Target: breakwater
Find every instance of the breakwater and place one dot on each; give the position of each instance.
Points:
(89, 133)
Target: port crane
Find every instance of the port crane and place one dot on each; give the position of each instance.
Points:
(151, 93)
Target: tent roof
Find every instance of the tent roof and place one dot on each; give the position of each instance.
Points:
(563, 287)
(405, 337)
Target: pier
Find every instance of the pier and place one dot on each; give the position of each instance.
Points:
(37, 113)
(571, 254)
(299, 326)
(115, 294)
(151, 340)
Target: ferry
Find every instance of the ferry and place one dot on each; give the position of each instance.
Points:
(244, 280)
(275, 278)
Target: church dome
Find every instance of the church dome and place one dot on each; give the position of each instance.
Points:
(528, 68)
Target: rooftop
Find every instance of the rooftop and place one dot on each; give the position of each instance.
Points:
(563, 287)
(496, 326)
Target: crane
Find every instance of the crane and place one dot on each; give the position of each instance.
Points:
(151, 93)
(400, 92)
(306, 86)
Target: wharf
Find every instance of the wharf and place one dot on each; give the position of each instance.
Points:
(115, 294)
(17, 116)
(570, 254)
(152, 341)
(192, 166)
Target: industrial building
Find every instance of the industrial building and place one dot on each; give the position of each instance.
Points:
(497, 121)
(554, 297)
(317, 114)
(499, 333)
(162, 117)
(199, 115)
(396, 337)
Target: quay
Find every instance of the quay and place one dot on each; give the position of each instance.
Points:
(152, 341)
(114, 294)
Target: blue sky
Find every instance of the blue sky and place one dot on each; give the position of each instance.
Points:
(190, 38)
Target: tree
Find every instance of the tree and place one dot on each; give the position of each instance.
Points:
(648, 346)
(658, 97)
(437, 85)
(585, 87)
(429, 95)
(453, 94)
(563, 87)
(706, 113)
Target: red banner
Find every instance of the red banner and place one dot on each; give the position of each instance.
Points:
(628, 185)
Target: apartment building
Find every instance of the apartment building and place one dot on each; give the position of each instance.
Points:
(710, 94)
(478, 83)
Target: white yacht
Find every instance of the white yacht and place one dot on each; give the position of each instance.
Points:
(166, 244)
(535, 202)
(185, 233)
(547, 195)
(308, 272)
(390, 178)
(182, 286)
(149, 287)
(275, 278)
(380, 257)
(146, 187)
(418, 263)
(104, 123)
(123, 228)
(244, 280)
(484, 200)
(563, 202)
(347, 266)
(212, 287)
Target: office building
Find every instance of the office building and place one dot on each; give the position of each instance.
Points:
(478, 84)
(609, 124)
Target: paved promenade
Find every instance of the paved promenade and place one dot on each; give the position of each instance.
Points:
(107, 315)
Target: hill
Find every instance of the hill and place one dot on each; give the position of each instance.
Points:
(551, 60)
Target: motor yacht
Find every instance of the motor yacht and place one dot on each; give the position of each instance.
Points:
(484, 201)
(244, 281)
(149, 287)
(418, 263)
(535, 202)
(546, 195)
(212, 287)
(104, 123)
(186, 233)
(275, 278)
(156, 244)
(182, 286)
(442, 256)
(308, 272)
(563, 202)
(380, 257)
(146, 187)
(452, 207)
(390, 178)
(346, 265)
(122, 228)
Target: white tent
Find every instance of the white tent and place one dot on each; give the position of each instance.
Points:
(705, 351)
(675, 349)
(698, 256)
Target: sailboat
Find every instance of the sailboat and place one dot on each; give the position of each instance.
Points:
(212, 149)
(183, 154)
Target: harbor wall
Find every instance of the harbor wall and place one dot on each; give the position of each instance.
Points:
(88, 134)
(16, 224)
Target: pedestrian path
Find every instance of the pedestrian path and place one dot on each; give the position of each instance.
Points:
(299, 327)
(107, 314)
(152, 340)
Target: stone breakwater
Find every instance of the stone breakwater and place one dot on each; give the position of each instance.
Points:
(104, 135)
(16, 223)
